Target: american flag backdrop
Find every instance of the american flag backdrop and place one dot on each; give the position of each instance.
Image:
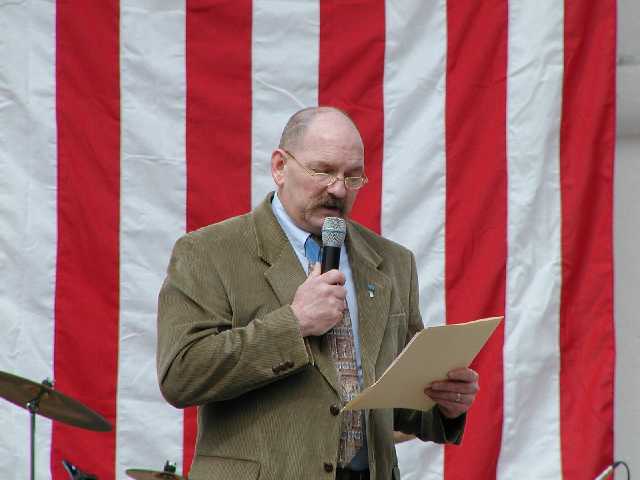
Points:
(489, 137)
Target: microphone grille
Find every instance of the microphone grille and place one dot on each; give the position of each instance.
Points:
(334, 231)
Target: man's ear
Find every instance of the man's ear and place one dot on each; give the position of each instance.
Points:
(277, 166)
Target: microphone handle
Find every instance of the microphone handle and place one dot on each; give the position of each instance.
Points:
(330, 258)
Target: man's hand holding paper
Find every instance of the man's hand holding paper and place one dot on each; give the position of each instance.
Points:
(456, 394)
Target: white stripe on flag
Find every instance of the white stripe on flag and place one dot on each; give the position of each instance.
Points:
(285, 51)
(413, 181)
(28, 225)
(531, 429)
(153, 199)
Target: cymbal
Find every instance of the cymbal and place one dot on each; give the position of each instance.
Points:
(138, 474)
(51, 404)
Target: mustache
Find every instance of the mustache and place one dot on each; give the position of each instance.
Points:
(330, 202)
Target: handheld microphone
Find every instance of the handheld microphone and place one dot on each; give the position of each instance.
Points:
(334, 231)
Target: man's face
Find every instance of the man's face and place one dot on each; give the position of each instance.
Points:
(331, 145)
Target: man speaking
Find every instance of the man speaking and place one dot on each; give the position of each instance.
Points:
(270, 348)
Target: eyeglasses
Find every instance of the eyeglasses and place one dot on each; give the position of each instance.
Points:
(326, 179)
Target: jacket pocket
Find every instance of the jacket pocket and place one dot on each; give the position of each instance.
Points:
(397, 332)
(399, 318)
(207, 467)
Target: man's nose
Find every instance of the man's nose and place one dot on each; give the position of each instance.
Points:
(337, 188)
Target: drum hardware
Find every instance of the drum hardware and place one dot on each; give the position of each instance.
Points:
(168, 473)
(42, 399)
(75, 473)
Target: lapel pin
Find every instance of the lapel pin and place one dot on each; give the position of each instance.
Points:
(371, 288)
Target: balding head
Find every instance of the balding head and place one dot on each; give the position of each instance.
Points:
(294, 131)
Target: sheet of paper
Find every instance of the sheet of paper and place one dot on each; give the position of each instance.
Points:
(427, 357)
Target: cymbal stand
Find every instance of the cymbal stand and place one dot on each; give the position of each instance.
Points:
(169, 467)
(33, 407)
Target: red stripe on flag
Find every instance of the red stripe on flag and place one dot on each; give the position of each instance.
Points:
(87, 283)
(352, 39)
(218, 66)
(587, 140)
(189, 435)
(476, 211)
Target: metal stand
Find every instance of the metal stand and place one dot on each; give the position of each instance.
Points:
(33, 407)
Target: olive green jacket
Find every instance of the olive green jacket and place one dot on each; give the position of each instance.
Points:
(229, 342)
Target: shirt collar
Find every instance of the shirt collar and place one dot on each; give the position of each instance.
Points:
(295, 234)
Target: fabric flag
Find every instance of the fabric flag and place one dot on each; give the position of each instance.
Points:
(489, 138)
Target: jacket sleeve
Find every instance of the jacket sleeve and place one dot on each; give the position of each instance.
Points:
(201, 356)
(431, 425)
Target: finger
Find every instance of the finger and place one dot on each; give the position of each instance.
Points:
(451, 397)
(316, 270)
(334, 277)
(455, 387)
(337, 304)
(337, 291)
(463, 375)
(450, 409)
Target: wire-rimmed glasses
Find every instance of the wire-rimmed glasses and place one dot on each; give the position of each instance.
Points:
(326, 179)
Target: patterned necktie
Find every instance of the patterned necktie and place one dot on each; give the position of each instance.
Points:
(339, 342)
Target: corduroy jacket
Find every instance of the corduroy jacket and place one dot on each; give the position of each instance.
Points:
(229, 343)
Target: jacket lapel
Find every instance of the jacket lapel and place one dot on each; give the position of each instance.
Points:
(373, 293)
(284, 275)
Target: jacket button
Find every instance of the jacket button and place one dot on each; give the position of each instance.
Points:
(335, 410)
(328, 467)
(276, 369)
(289, 364)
